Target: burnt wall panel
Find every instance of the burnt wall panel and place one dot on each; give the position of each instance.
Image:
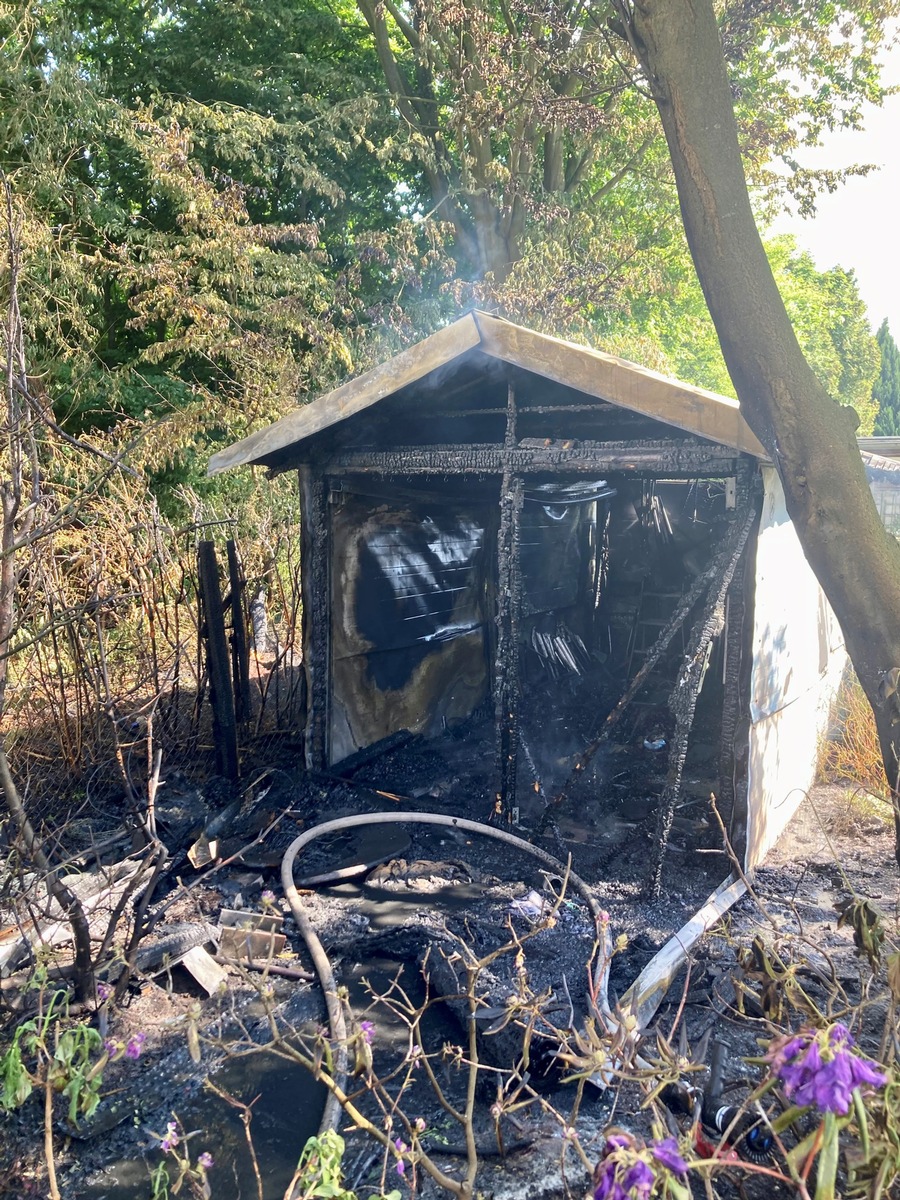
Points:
(409, 586)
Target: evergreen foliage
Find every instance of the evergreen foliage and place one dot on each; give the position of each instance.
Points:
(886, 392)
(230, 207)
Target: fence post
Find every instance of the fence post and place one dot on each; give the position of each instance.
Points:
(217, 657)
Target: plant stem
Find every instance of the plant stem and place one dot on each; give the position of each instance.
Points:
(48, 1138)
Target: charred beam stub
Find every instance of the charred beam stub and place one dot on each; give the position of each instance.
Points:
(316, 595)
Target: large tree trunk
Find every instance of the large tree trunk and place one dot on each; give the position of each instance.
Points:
(810, 438)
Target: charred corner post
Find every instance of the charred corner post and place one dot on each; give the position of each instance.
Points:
(577, 570)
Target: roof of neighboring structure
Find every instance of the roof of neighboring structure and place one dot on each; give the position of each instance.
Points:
(880, 467)
(884, 447)
(591, 372)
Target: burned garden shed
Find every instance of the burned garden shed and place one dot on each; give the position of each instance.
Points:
(577, 570)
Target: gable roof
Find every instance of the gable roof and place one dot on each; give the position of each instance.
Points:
(592, 372)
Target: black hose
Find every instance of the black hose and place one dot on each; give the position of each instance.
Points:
(599, 973)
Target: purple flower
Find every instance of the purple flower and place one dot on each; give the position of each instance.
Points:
(104, 991)
(170, 1140)
(607, 1186)
(205, 1160)
(111, 1048)
(367, 1029)
(622, 1174)
(667, 1153)
(638, 1180)
(401, 1148)
(865, 1074)
(822, 1071)
(135, 1045)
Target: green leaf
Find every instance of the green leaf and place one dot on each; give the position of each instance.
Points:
(798, 1154)
(788, 1117)
(828, 1159)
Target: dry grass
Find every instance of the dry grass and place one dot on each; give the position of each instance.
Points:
(854, 755)
(862, 813)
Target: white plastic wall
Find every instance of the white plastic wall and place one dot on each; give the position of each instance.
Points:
(798, 659)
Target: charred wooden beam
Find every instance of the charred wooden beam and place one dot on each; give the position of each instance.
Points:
(509, 442)
(544, 410)
(315, 537)
(685, 458)
(732, 699)
(509, 602)
(506, 663)
(683, 697)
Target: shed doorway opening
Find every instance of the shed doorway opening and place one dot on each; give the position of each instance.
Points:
(493, 631)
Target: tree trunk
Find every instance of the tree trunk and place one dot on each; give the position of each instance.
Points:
(809, 437)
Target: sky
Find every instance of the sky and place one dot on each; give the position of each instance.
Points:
(858, 226)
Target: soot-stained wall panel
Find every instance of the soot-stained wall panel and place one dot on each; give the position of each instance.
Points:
(409, 588)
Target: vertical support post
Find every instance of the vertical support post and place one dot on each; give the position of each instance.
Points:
(240, 656)
(506, 654)
(220, 693)
(315, 582)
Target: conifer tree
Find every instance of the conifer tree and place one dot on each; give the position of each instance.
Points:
(886, 391)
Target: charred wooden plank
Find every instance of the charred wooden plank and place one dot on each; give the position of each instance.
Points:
(734, 733)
